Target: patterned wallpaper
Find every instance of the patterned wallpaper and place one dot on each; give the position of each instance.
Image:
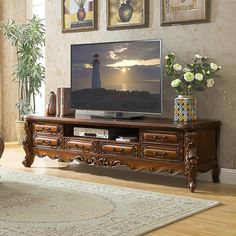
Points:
(216, 39)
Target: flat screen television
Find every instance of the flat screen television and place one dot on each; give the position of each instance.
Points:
(119, 77)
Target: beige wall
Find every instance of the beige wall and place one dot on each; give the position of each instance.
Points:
(16, 10)
(216, 39)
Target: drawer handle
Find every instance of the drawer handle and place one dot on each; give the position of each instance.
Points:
(160, 154)
(78, 146)
(160, 138)
(122, 150)
(46, 141)
(48, 129)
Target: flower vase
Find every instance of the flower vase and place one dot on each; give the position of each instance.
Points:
(81, 14)
(185, 109)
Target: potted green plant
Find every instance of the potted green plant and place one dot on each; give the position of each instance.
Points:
(195, 76)
(29, 73)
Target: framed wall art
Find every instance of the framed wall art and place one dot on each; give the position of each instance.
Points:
(126, 14)
(79, 15)
(183, 11)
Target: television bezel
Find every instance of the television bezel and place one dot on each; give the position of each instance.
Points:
(116, 111)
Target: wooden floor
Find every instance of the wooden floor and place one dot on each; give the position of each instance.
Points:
(220, 220)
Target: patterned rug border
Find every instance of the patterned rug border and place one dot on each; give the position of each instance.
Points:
(143, 230)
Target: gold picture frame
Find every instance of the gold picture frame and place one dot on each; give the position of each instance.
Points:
(127, 14)
(79, 15)
(184, 11)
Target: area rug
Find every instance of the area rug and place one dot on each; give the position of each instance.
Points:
(40, 205)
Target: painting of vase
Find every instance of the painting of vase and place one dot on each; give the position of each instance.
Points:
(79, 15)
(125, 14)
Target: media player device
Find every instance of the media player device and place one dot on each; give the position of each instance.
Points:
(93, 132)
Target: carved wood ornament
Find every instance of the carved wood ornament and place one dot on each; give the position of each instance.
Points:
(27, 145)
(191, 159)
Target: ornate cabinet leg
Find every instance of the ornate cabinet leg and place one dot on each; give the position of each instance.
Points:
(191, 159)
(27, 145)
(216, 171)
(215, 175)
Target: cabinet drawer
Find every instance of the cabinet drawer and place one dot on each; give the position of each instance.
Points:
(80, 145)
(162, 137)
(162, 153)
(47, 128)
(118, 149)
(46, 141)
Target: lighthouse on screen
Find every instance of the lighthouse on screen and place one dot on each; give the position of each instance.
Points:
(96, 81)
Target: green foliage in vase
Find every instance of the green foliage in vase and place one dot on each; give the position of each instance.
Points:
(28, 39)
(195, 76)
(80, 3)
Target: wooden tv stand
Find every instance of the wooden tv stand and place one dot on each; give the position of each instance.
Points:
(161, 144)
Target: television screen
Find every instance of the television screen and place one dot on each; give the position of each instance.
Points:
(117, 76)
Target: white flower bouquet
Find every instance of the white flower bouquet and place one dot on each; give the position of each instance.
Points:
(193, 77)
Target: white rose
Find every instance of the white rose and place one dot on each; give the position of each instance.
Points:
(199, 77)
(208, 72)
(177, 67)
(175, 83)
(189, 76)
(219, 67)
(198, 56)
(213, 66)
(166, 57)
(210, 83)
(186, 69)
